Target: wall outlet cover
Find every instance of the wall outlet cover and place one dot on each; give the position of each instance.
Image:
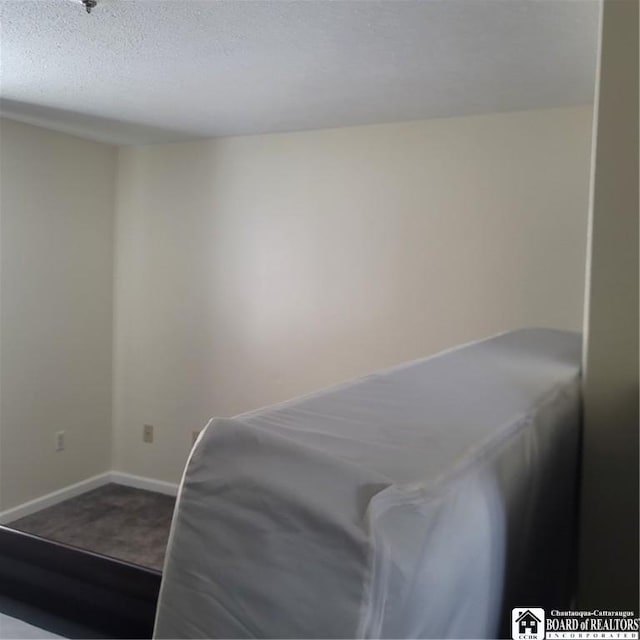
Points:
(147, 433)
(60, 440)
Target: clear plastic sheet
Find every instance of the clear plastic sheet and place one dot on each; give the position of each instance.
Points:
(419, 502)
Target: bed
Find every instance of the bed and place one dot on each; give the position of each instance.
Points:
(423, 501)
(71, 592)
(17, 629)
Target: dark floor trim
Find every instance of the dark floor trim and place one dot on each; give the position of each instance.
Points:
(115, 598)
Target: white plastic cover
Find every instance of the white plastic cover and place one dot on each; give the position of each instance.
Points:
(420, 502)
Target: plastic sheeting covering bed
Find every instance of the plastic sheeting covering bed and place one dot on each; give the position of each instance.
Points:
(423, 501)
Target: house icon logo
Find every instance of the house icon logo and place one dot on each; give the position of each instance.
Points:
(527, 623)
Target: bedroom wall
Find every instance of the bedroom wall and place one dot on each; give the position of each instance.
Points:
(56, 269)
(252, 269)
(610, 497)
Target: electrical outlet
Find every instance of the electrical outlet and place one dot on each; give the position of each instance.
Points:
(194, 435)
(59, 440)
(147, 433)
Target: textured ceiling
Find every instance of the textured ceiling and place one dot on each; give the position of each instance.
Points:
(156, 70)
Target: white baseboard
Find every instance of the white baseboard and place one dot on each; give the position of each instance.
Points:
(140, 482)
(73, 490)
(48, 500)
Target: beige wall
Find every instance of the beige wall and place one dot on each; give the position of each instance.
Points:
(609, 533)
(252, 269)
(56, 266)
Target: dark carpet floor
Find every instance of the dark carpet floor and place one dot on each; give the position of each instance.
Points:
(126, 523)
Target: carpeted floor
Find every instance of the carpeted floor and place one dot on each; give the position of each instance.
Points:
(126, 523)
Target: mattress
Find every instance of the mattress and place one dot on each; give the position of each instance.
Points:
(423, 501)
(14, 629)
